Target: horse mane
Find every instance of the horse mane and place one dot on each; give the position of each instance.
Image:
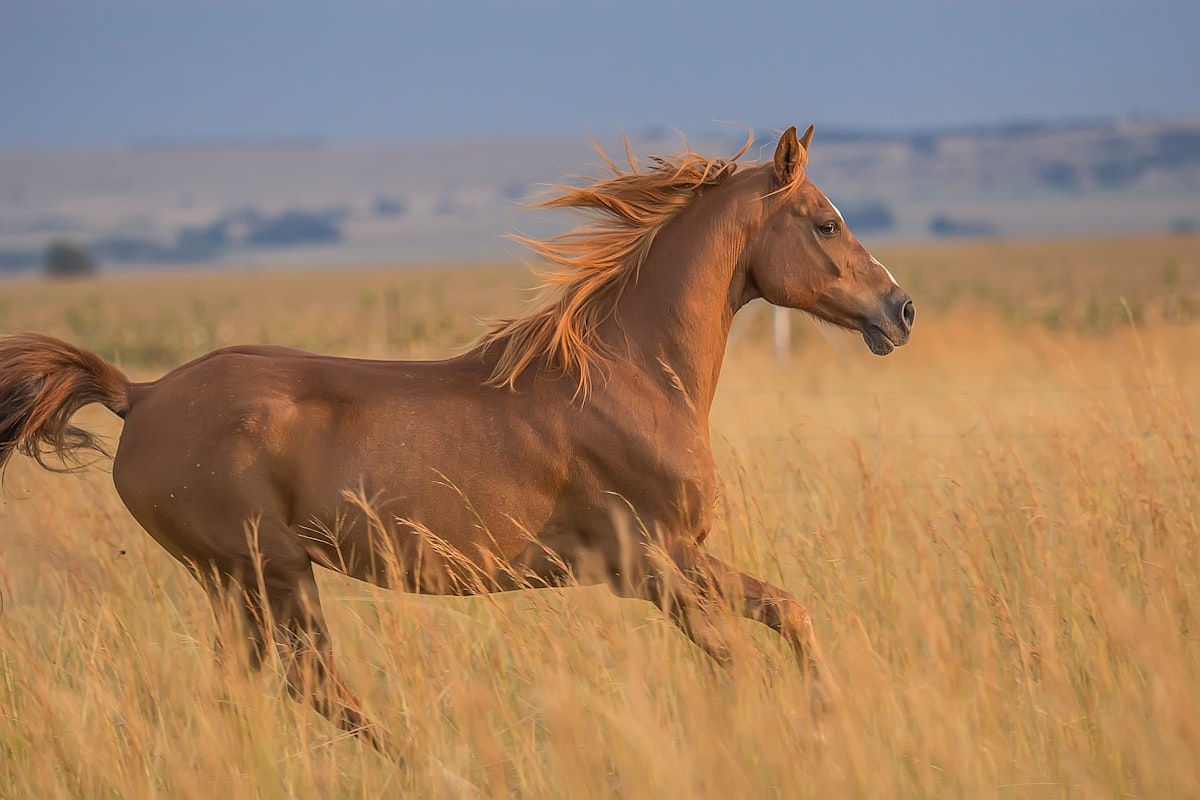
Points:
(587, 269)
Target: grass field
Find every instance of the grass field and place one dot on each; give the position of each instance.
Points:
(996, 529)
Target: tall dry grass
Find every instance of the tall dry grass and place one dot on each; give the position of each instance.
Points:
(995, 529)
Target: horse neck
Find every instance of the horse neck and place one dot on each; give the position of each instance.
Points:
(674, 320)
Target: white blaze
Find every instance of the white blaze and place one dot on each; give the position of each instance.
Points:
(875, 261)
(835, 209)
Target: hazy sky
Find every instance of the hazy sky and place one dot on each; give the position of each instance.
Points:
(112, 72)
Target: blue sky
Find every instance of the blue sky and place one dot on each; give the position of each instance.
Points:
(100, 73)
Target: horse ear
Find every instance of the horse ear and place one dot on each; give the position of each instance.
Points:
(790, 157)
(806, 140)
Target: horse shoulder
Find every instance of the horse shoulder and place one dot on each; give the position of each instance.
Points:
(652, 453)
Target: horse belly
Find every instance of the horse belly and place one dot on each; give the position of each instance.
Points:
(413, 513)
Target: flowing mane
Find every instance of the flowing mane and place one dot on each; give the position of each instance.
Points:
(588, 268)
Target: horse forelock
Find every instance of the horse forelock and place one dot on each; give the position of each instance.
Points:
(586, 270)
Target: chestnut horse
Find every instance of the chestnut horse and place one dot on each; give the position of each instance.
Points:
(571, 445)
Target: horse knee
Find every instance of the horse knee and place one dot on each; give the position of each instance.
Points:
(791, 620)
(794, 618)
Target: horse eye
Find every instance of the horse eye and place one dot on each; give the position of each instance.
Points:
(828, 229)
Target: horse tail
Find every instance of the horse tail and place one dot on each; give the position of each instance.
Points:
(43, 382)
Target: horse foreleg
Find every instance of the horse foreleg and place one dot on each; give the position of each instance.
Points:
(705, 593)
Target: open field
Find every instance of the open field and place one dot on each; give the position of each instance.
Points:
(996, 529)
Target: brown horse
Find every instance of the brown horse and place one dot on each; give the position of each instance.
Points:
(571, 445)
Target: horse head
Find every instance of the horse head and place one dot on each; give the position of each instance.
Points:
(802, 255)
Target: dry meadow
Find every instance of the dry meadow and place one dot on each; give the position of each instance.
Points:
(996, 529)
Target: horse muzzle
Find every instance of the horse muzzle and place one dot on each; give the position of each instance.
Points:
(892, 328)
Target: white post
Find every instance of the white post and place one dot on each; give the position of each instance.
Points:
(783, 334)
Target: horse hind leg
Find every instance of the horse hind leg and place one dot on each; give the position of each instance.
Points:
(274, 600)
(252, 562)
(238, 616)
(302, 641)
(296, 624)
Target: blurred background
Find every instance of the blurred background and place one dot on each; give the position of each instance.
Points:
(147, 134)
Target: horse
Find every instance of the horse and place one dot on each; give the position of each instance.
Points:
(569, 446)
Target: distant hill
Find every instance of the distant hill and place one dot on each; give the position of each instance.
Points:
(315, 203)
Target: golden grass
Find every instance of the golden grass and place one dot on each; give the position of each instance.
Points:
(995, 529)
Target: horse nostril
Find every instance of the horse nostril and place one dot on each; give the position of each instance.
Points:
(907, 313)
